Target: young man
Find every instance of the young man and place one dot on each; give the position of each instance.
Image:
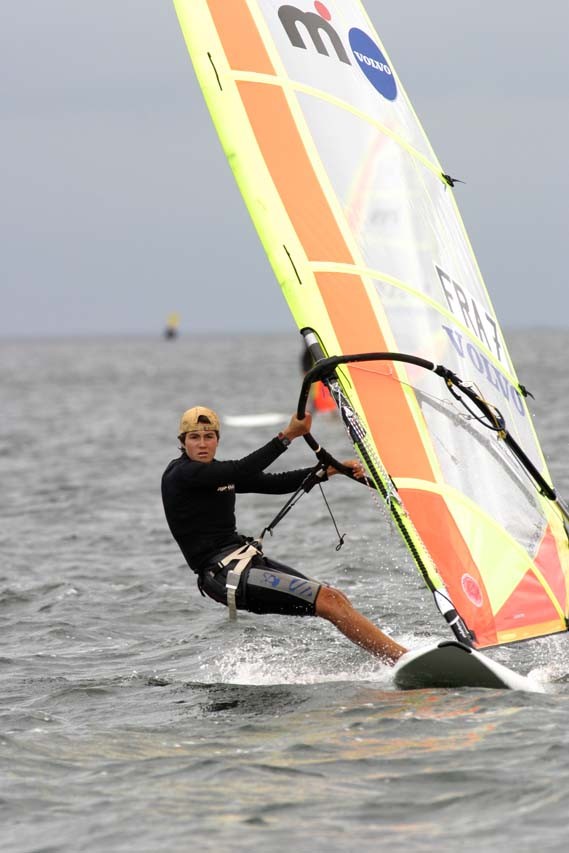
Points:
(198, 493)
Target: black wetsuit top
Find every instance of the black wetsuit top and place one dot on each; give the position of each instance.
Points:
(199, 498)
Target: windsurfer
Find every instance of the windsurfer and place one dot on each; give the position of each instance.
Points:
(198, 494)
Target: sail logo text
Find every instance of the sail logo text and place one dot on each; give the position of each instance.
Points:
(301, 26)
(472, 315)
(368, 60)
(466, 349)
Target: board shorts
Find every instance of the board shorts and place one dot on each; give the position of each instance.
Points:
(266, 586)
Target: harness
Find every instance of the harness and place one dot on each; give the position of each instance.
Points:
(242, 557)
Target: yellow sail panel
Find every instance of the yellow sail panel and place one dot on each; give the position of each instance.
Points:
(361, 228)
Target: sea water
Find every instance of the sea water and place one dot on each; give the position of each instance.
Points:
(135, 717)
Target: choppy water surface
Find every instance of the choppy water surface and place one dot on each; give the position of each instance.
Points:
(134, 716)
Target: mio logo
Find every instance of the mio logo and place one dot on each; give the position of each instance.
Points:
(316, 27)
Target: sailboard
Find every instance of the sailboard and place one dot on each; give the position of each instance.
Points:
(359, 221)
(452, 664)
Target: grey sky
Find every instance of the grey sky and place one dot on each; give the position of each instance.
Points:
(118, 206)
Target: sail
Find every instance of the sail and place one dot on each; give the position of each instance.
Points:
(363, 233)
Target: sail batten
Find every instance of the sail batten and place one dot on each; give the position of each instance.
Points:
(362, 229)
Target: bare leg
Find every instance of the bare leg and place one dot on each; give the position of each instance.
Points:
(333, 605)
